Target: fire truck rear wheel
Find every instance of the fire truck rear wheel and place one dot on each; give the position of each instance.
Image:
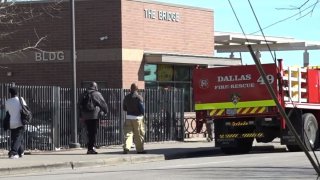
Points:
(311, 132)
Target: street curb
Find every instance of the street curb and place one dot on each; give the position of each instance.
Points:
(117, 160)
(126, 159)
(33, 169)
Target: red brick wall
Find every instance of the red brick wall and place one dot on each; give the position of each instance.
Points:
(133, 71)
(193, 34)
(43, 74)
(101, 71)
(59, 74)
(94, 19)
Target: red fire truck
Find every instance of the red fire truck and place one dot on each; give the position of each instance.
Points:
(242, 109)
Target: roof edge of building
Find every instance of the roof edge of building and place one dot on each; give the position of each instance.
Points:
(173, 4)
(170, 58)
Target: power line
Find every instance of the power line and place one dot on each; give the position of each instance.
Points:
(235, 14)
(264, 37)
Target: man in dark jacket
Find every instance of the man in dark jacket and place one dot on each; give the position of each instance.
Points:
(91, 118)
(134, 126)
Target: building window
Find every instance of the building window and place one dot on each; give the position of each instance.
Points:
(164, 76)
(165, 72)
(182, 73)
(150, 72)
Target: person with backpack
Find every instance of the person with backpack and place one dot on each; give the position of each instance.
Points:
(91, 105)
(13, 108)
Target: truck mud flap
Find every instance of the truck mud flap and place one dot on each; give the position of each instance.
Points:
(287, 137)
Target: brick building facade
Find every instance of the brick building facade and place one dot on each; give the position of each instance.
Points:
(132, 28)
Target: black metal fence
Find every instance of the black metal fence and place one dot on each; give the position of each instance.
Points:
(52, 124)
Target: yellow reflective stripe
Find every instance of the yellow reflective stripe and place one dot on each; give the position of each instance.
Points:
(245, 110)
(262, 110)
(220, 112)
(254, 110)
(217, 112)
(213, 112)
(245, 135)
(225, 105)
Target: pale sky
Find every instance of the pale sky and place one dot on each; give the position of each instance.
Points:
(306, 28)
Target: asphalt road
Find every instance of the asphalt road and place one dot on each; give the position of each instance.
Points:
(256, 165)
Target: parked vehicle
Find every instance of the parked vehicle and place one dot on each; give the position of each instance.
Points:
(38, 136)
(238, 101)
(4, 139)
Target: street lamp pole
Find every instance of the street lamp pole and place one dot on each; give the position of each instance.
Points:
(74, 143)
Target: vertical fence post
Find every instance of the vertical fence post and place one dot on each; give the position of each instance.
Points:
(122, 114)
(56, 117)
(181, 107)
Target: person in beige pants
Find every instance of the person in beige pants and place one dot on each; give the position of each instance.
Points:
(134, 125)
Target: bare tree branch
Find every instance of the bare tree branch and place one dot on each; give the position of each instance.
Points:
(29, 46)
(303, 11)
(13, 15)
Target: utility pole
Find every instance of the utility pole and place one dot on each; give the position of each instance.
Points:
(74, 142)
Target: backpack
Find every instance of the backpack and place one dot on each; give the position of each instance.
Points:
(26, 114)
(87, 104)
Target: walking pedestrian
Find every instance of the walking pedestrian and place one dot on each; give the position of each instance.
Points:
(13, 107)
(90, 116)
(210, 129)
(202, 119)
(134, 125)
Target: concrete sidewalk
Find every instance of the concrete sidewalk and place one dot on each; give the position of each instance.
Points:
(112, 155)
